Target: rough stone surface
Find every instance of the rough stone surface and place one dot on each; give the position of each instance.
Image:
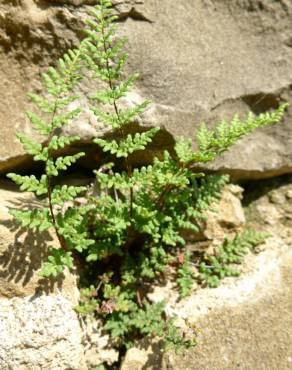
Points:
(39, 333)
(269, 204)
(228, 217)
(198, 60)
(224, 219)
(96, 345)
(135, 359)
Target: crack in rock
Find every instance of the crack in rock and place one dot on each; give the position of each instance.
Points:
(135, 15)
(259, 102)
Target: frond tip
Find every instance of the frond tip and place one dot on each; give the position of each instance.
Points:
(212, 143)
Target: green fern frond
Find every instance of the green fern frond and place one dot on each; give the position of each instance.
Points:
(185, 278)
(127, 146)
(212, 143)
(31, 146)
(231, 252)
(57, 261)
(58, 142)
(117, 180)
(30, 183)
(39, 124)
(44, 104)
(62, 163)
(65, 193)
(124, 117)
(62, 119)
(119, 91)
(37, 218)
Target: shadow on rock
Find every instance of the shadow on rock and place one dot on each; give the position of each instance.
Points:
(22, 252)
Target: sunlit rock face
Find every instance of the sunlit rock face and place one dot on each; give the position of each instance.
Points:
(202, 60)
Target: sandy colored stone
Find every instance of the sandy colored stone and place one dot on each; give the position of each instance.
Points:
(248, 326)
(227, 217)
(270, 209)
(135, 359)
(39, 332)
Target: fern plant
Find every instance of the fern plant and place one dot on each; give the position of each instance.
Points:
(185, 276)
(126, 237)
(216, 267)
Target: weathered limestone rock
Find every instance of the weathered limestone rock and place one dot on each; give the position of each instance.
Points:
(39, 333)
(228, 217)
(272, 210)
(224, 219)
(135, 359)
(200, 60)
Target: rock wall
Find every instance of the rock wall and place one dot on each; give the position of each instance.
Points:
(200, 60)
